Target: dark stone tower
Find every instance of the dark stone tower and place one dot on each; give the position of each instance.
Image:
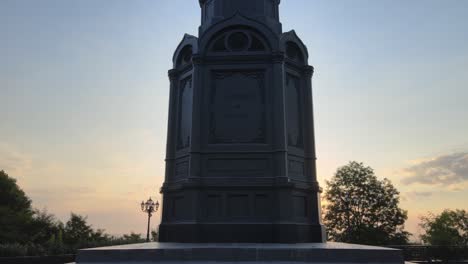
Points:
(240, 161)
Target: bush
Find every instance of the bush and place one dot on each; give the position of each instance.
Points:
(18, 250)
(13, 250)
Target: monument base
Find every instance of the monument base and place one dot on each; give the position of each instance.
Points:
(245, 232)
(240, 253)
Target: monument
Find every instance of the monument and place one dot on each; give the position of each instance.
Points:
(240, 182)
(240, 161)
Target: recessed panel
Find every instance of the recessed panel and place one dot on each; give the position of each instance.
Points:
(179, 208)
(296, 169)
(238, 205)
(237, 167)
(214, 206)
(237, 108)
(300, 206)
(263, 205)
(294, 111)
(246, 7)
(181, 170)
(184, 113)
(209, 9)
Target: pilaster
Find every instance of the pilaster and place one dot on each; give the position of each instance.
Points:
(171, 126)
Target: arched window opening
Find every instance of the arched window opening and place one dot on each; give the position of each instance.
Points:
(185, 56)
(238, 40)
(293, 52)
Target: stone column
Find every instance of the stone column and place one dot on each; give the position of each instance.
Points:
(171, 126)
(171, 136)
(309, 144)
(279, 120)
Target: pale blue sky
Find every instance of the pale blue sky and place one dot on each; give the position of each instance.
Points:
(84, 92)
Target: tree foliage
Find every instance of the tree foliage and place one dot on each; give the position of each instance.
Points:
(362, 209)
(133, 238)
(43, 227)
(25, 231)
(77, 230)
(12, 196)
(450, 228)
(15, 210)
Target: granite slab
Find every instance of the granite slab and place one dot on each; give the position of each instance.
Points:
(240, 253)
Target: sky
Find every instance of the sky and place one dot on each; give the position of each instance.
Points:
(84, 98)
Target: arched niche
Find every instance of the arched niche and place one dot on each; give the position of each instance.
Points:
(293, 52)
(255, 30)
(185, 56)
(296, 58)
(238, 39)
(293, 48)
(186, 48)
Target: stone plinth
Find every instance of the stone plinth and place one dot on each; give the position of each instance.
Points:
(240, 253)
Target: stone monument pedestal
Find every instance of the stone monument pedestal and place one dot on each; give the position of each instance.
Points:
(240, 253)
(240, 157)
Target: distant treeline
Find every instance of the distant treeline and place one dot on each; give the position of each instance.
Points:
(430, 254)
(25, 231)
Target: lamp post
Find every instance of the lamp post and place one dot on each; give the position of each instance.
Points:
(149, 207)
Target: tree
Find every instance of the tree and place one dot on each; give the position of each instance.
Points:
(15, 211)
(132, 238)
(450, 228)
(77, 231)
(37, 232)
(362, 209)
(78, 234)
(43, 227)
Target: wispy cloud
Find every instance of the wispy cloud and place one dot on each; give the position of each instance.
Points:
(416, 195)
(420, 194)
(448, 169)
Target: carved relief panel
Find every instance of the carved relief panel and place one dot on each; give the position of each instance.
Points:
(237, 107)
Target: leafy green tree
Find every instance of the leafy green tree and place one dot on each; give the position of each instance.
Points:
(450, 228)
(99, 236)
(43, 227)
(15, 211)
(77, 231)
(362, 209)
(25, 231)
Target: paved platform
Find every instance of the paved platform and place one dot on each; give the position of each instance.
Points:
(173, 253)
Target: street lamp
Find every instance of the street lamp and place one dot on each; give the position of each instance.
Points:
(149, 207)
